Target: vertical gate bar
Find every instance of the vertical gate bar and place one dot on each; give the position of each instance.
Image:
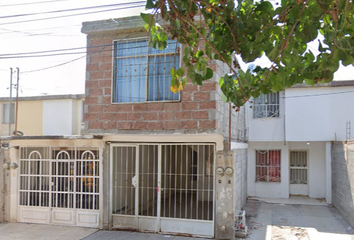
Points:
(159, 170)
(198, 179)
(181, 181)
(192, 179)
(214, 197)
(175, 175)
(40, 182)
(120, 173)
(93, 162)
(166, 186)
(170, 182)
(126, 174)
(186, 179)
(29, 182)
(137, 165)
(112, 187)
(203, 182)
(155, 185)
(211, 174)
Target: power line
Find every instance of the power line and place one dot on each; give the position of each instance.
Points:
(56, 50)
(31, 3)
(320, 94)
(70, 15)
(54, 66)
(73, 9)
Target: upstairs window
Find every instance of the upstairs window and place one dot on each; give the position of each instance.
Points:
(266, 105)
(8, 114)
(142, 73)
(268, 166)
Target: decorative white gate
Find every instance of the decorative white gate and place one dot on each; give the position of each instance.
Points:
(163, 187)
(59, 185)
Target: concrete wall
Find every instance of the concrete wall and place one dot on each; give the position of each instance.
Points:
(57, 117)
(318, 113)
(316, 169)
(266, 129)
(240, 169)
(343, 179)
(30, 117)
(52, 115)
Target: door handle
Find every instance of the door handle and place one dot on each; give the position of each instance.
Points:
(134, 181)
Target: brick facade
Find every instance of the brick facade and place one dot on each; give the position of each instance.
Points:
(195, 110)
(200, 108)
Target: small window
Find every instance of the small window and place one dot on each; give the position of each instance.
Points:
(268, 166)
(266, 105)
(142, 73)
(6, 112)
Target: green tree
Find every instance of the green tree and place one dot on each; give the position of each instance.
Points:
(252, 29)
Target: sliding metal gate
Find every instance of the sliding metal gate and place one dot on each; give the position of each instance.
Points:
(59, 185)
(163, 187)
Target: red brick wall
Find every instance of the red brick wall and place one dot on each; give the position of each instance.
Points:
(195, 111)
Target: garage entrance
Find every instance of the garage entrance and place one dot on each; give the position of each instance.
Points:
(59, 185)
(163, 187)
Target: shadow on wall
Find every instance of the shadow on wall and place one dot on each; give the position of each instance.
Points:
(343, 179)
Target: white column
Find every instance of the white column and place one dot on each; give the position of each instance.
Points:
(328, 172)
(14, 196)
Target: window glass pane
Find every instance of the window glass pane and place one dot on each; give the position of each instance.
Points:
(142, 73)
(160, 77)
(268, 166)
(266, 105)
(6, 112)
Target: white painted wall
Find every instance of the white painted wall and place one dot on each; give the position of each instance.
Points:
(316, 166)
(319, 113)
(262, 189)
(58, 117)
(266, 129)
(317, 169)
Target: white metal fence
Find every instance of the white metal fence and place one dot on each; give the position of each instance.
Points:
(163, 180)
(59, 177)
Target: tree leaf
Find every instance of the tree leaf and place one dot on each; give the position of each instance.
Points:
(148, 18)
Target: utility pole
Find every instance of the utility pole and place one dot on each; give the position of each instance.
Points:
(17, 89)
(10, 101)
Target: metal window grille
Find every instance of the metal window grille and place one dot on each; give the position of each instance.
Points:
(142, 73)
(298, 167)
(266, 105)
(59, 177)
(268, 166)
(186, 192)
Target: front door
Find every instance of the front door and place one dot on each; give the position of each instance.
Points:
(163, 188)
(299, 173)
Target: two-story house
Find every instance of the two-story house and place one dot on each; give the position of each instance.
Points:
(290, 139)
(150, 159)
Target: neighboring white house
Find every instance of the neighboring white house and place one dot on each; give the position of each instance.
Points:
(290, 135)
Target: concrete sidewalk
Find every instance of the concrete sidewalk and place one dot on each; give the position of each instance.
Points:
(122, 235)
(23, 231)
(280, 221)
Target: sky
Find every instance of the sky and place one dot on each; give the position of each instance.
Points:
(23, 34)
(22, 31)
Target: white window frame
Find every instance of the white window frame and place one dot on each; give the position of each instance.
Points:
(267, 165)
(266, 106)
(114, 76)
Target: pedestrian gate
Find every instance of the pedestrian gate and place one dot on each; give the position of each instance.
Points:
(163, 187)
(59, 185)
